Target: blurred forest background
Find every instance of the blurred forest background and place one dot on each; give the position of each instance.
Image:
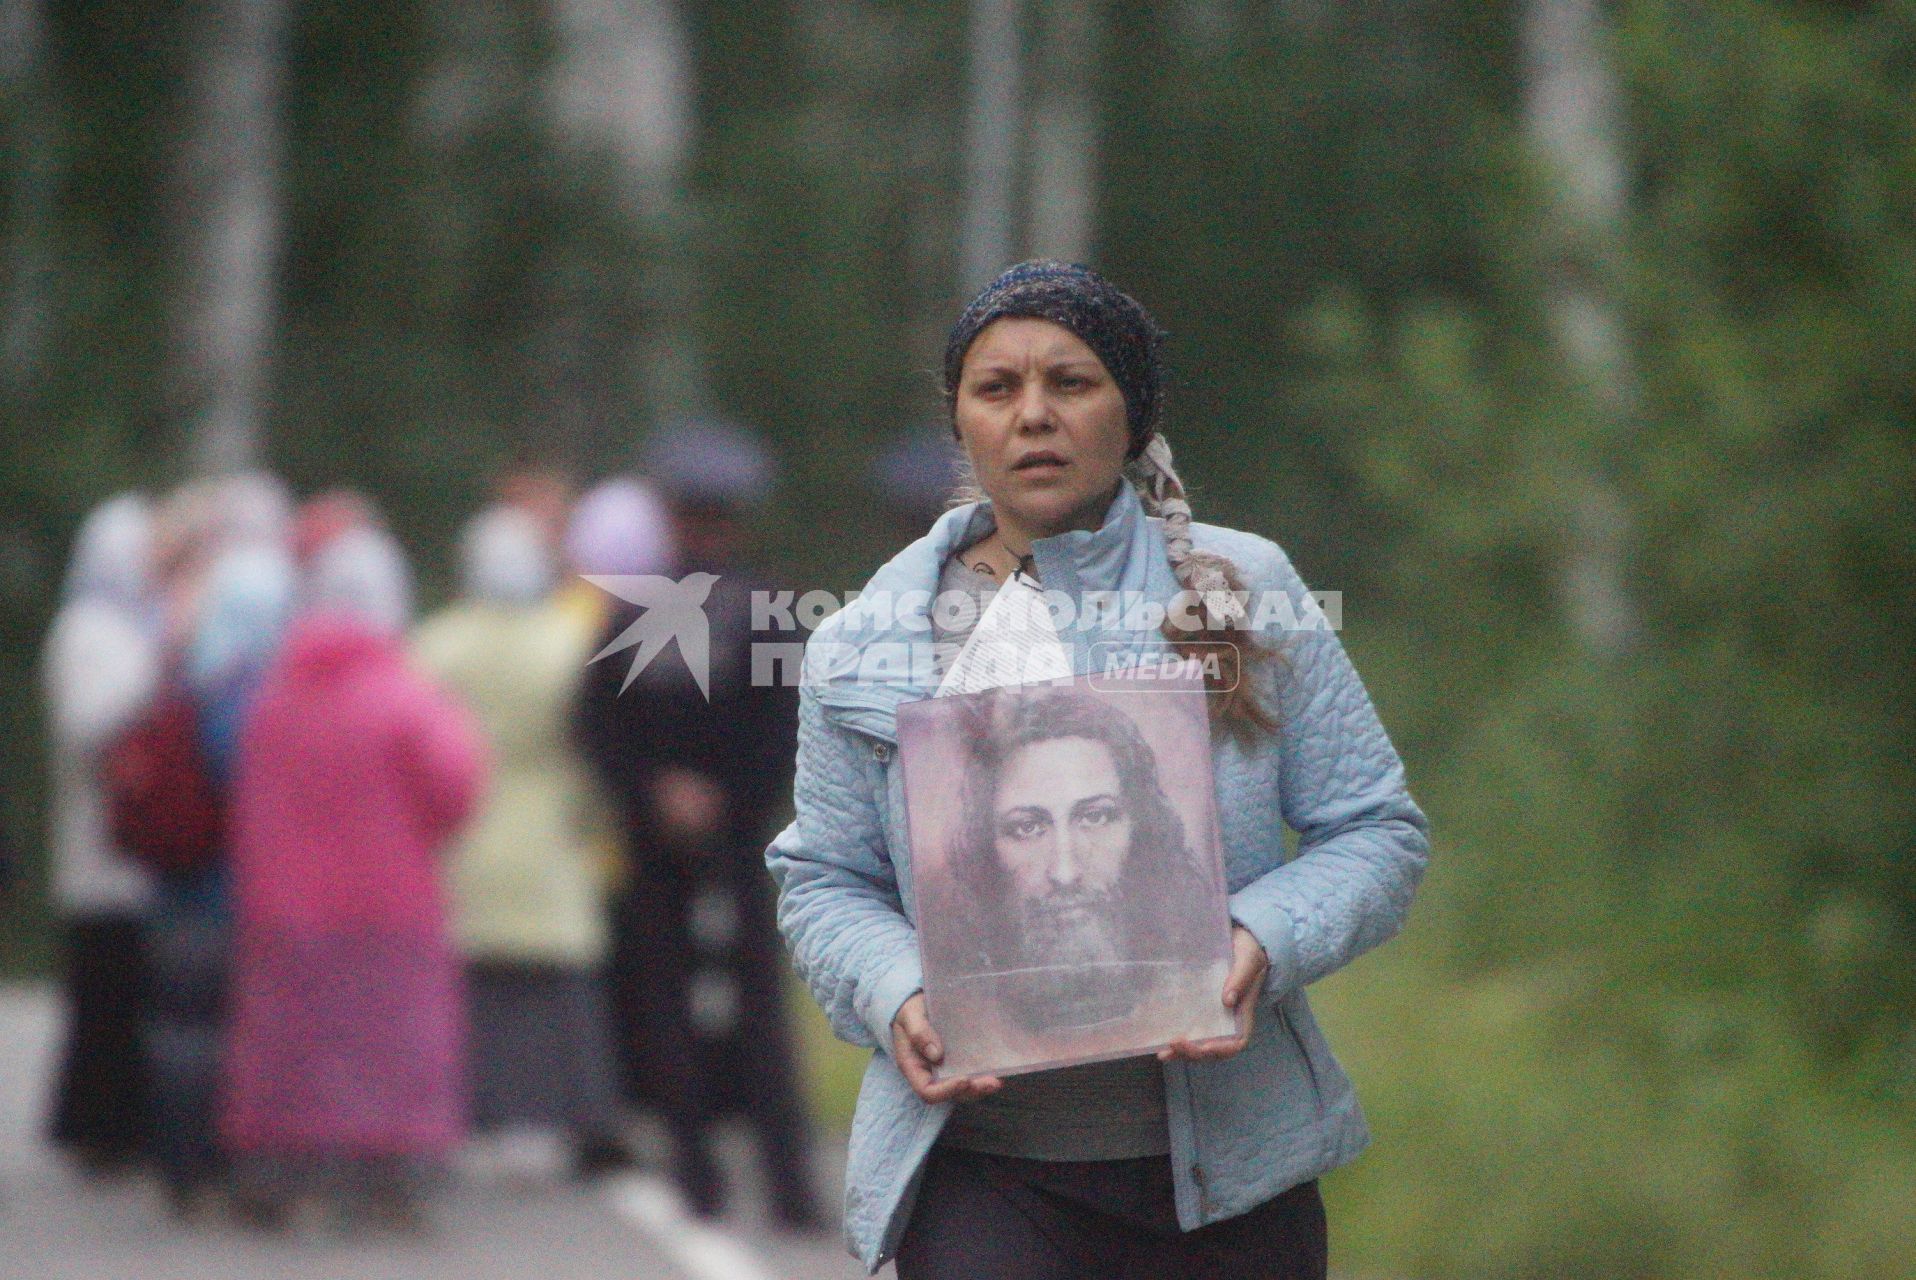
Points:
(1575, 343)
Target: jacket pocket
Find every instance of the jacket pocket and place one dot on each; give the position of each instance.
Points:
(873, 719)
(1304, 1055)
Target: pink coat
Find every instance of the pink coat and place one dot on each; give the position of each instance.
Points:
(347, 1026)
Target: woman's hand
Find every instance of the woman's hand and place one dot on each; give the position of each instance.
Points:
(916, 1050)
(1249, 964)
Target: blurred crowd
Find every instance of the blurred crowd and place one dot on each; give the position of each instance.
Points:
(347, 898)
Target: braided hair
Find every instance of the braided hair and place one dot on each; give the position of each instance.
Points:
(1223, 629)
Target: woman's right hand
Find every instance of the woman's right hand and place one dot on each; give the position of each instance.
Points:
(917, 1051)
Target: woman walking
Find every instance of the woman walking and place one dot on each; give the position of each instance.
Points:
(346, 1051)
(1204, 1160)
(102, 666)
(527, 887)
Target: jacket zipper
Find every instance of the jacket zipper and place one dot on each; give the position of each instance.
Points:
(1197, 1149)
(1190, 1093)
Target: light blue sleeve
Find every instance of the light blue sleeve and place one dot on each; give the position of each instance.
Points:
(1362, 841)
(838, 901)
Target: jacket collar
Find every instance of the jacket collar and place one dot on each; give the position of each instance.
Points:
(873, 654)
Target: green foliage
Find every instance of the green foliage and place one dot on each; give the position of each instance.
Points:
(1567, 1119)
(1658, 1019)
(827, 181)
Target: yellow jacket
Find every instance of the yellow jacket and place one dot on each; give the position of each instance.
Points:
(526, 881)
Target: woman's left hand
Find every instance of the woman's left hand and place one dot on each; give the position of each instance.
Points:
(1249, 964)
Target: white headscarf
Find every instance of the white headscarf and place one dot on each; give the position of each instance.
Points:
(362, 574)
(247, 601)
(504, 558)
(113, 554)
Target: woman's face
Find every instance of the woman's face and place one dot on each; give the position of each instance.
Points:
(1044, 424)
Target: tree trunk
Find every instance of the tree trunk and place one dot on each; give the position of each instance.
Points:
(622, 84)
(1064, 132)
(987, 236)
(229, 217)
(1570, 113)
(28, 246)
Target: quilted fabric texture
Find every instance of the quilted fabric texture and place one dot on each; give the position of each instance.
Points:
(1242, 1130)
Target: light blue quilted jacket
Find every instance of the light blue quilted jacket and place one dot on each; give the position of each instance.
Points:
(1242, 1130)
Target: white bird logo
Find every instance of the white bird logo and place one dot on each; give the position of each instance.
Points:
(673, 610)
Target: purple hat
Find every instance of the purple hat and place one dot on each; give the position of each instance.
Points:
(620, 527)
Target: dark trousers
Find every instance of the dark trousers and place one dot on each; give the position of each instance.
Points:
(985, 1217)
(187, 944)
(101, 1107)
(691, 1076)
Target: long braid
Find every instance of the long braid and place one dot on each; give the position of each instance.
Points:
(1213, 581)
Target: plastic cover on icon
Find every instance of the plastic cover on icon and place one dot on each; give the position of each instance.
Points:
(1067, 871)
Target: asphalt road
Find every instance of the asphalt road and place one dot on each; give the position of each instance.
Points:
(497, 1221)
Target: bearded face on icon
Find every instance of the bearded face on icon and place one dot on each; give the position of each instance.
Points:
(1070, 852)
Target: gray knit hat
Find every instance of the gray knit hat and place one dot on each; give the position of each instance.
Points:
(1108, 320)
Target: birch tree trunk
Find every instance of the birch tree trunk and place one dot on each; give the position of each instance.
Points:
(622, 84)
(1064, 132)
(1570, 113)
(229, 218)
(987, 234)
(28, 246)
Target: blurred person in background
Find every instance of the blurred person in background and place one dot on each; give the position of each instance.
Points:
(527, 889)
(697, 781)
(619, 527)
(242, 602)
(203, 591)
(345, 1071)
(541, 490)
(915, 477)
(101, 666)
